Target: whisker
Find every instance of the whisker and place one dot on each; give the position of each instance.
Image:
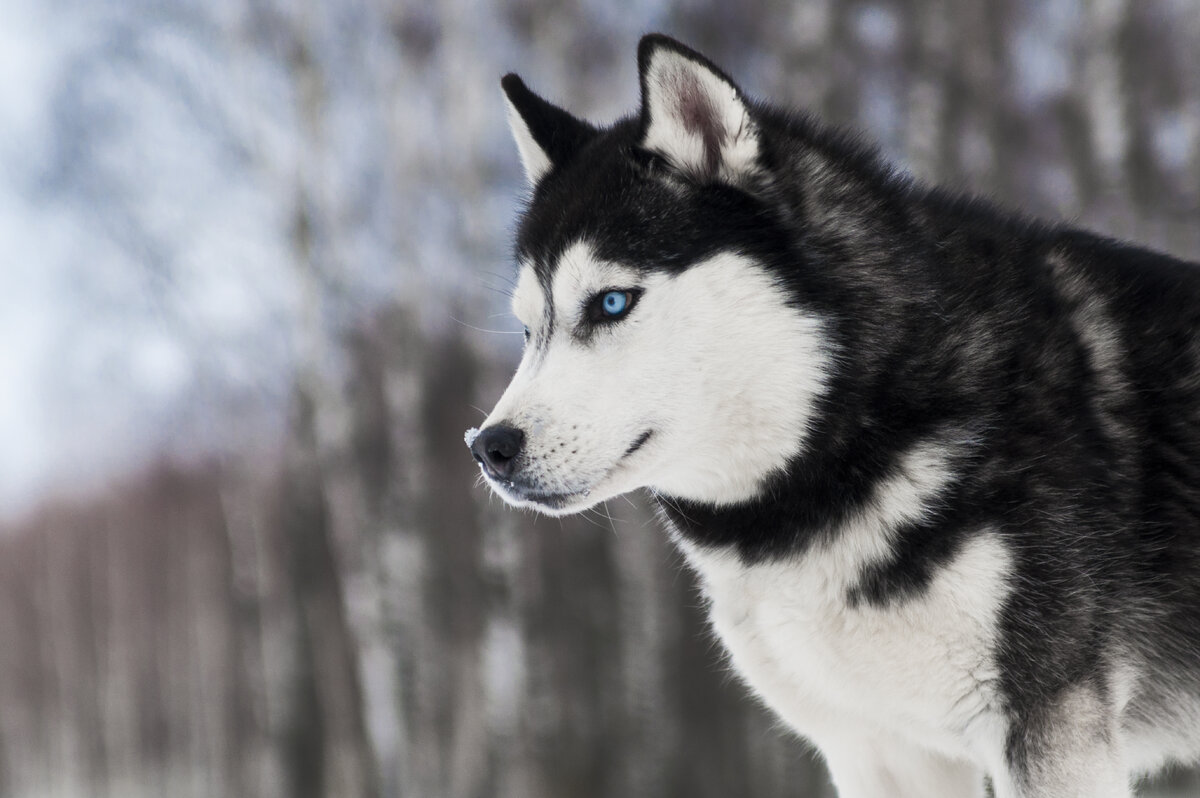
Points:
(506, 278)
(502, 291)
(612, 522)
(676, 508)
(482, 329)
(585, 516)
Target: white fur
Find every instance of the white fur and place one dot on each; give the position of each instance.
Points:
(677, 90)
(1152, 743)
(528, 302)
(535, 160)
(888, 766)
(911, 683)
(688, 364)
(1088, 756)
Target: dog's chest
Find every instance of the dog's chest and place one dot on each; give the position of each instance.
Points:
(922, 666)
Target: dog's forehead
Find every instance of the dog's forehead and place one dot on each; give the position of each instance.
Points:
(628, 214)
(632, 216)
(566, 282)
(580, 271)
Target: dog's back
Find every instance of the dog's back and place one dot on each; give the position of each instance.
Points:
(1136, 316)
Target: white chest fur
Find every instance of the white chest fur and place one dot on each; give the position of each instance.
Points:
(921, 670)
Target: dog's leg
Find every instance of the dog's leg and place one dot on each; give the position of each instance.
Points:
(884, 767)
(1071, 749)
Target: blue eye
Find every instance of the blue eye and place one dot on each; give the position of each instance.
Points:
(612, 305)
(615, 303)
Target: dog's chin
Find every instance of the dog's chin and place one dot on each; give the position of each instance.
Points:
(556, 505)
(553, 503)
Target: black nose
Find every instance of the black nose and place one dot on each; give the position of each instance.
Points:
(496, 448)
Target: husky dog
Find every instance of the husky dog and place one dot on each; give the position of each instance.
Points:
(937, 466)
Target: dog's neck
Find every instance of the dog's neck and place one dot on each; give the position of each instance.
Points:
(900, 489)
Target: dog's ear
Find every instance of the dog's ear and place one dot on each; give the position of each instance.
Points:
(692, 113)
(546, 135)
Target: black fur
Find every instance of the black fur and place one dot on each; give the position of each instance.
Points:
(555, 131)
(963, 322)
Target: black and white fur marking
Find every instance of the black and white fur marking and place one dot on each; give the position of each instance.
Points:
(937, 466)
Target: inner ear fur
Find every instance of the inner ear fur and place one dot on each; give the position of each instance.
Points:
(693, 114)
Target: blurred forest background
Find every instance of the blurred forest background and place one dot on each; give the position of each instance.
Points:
(253, 254)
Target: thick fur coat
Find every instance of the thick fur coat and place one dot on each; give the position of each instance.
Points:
(937, 465)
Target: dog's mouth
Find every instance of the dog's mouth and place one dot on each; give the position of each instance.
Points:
(544, 500)
(520, 493)
(639, 443)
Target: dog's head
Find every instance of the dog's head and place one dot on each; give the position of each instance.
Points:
(665, 347)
